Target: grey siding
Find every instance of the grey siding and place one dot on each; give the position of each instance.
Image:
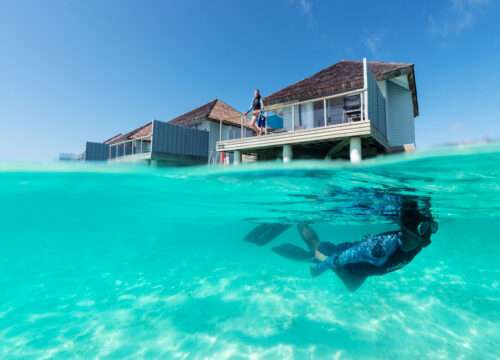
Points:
(376, 105)
(401, 124)
(96, 151)
(179, 140)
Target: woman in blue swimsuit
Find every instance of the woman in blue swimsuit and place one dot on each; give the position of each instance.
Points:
(257, 108)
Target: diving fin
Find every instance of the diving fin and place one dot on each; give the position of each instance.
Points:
(263, 234)
(351, 281)
(293, 252)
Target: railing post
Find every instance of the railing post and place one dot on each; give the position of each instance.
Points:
(151, 145)
(267, 117)
(362, 106)
(324, 112)
(366, 87)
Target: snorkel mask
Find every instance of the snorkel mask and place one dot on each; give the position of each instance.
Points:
(427, 227)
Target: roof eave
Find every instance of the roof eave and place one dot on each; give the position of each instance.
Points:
(409, 71)
(413, 87)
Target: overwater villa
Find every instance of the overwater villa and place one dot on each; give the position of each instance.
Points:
(185, 140)
(350, 110)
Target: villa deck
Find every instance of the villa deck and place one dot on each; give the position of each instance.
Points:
(329, 133)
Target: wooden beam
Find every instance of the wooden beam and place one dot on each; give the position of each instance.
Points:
(336, 148)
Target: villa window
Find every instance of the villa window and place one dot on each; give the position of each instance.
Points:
(334, 111)
(309, 115)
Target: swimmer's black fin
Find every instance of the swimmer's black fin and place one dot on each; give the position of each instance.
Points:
(351, 281)
(293, 252)
(263, 234)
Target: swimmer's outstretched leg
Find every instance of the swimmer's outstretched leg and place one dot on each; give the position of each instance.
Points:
(327, 257)
(330, 262)
(309, 236)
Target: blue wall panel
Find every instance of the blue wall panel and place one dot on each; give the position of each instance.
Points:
(179, 140)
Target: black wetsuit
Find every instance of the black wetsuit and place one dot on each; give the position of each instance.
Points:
(376, 255)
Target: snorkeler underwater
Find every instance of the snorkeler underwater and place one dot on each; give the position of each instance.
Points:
(353, 261)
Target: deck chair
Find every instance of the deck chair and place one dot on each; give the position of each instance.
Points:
(352, 108)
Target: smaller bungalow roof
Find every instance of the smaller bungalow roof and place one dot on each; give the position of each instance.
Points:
(143, 131)
(342, 77)
(216, 110)
(113, 138)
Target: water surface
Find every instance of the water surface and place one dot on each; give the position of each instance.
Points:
(128, 261)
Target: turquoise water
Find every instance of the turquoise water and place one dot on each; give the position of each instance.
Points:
(128, 261)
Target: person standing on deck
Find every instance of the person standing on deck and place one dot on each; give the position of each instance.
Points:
(256, 108)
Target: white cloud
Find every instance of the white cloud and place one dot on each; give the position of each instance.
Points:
(458, 17)
(304, 5)
(373, 42)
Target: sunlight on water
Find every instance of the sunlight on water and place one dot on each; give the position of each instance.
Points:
(106, 262)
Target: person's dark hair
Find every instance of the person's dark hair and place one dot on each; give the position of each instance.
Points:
(412, 216)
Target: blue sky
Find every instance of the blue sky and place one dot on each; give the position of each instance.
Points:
(72, 71)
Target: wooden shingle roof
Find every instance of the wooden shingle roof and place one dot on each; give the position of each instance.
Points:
(143, 131)
(342, 77)
(216, 110)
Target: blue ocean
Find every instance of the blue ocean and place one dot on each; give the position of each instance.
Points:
(126, 261)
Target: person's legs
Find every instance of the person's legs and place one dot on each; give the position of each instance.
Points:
(255, 116)
(324, 262)
(253, 125)
(325, 255)
(262, 129)
(262, 124)
(375, 250)
(309, 236)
